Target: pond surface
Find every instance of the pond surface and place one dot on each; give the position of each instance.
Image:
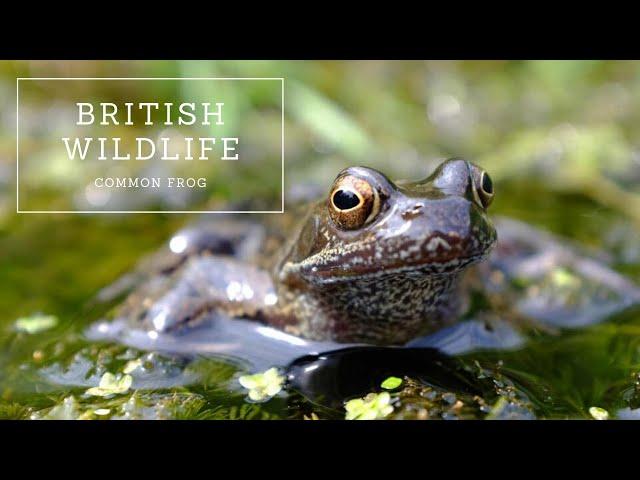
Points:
(47, 373)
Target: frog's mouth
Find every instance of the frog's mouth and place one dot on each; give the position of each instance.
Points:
(336, 273)
(439, 255)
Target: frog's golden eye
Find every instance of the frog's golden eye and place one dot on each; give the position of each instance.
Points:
(353, 202)
(485, 189)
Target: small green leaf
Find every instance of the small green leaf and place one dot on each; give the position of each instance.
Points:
(372, 407)
(132, 365)
(391, 383)
(66, 410)
(36, 323)
(599, 413)
(111, 385)
(561, 277)
(497, 409)
(263, 386)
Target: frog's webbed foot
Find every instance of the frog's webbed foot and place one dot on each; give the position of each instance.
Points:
(229, 237)
(546, 279)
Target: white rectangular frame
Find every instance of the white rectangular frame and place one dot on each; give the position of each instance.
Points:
(18, 79)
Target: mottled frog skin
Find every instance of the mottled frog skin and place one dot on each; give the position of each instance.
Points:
(387, 273)
(375, 261)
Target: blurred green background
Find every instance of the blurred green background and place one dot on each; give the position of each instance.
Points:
(539, 127)
(561, 140)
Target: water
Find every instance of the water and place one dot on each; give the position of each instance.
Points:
(555, 374)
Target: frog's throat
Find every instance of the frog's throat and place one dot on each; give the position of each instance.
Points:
(387, 310)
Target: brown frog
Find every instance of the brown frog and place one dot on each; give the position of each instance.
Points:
(374, 262)
(380, 262)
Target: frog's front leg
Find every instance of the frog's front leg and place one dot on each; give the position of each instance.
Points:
(203, 284)
(211, 305)
(230, 237)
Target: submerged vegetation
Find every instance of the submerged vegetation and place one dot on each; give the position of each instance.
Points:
(562, 143)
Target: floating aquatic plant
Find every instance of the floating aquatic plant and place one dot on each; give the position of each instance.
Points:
(67, 410)
(36, 323)
(372, 407)
(391, 383)
(498, 409)
(599, 413)
(561, 277)
(263, 386)
(111, 385)
(132, 365)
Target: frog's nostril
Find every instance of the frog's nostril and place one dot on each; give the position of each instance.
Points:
(413, 212)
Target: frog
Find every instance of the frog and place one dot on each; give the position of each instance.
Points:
(373, 262)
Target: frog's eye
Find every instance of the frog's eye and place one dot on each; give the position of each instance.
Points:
(485, 189)
(353, 202)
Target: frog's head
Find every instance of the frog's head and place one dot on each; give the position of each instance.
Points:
(369, 226)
